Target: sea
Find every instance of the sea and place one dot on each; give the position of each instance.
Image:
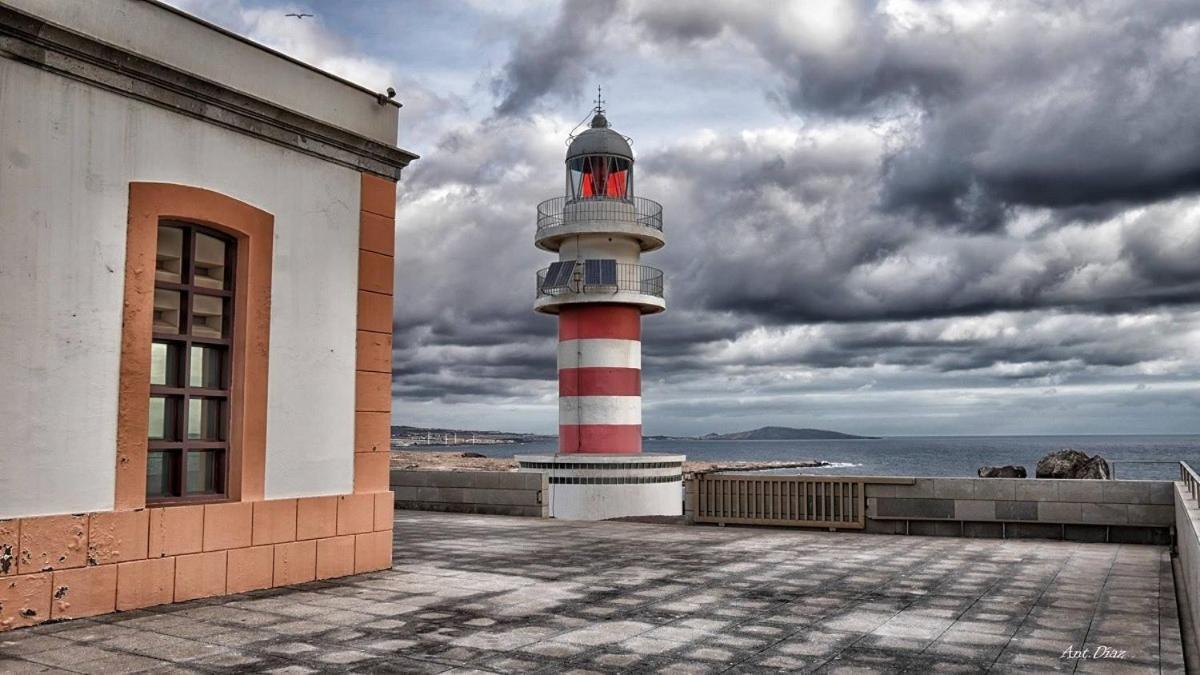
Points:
(1132, 457)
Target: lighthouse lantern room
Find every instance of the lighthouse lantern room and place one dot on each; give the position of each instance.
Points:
(599, 289)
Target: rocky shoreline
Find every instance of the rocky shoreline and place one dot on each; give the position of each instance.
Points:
(456, 461)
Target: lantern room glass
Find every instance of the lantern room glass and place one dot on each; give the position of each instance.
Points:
(599, 176)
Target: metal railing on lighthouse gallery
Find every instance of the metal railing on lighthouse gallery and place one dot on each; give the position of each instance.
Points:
(563, 211)
(630, 278)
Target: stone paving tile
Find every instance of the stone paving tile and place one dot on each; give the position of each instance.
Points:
(516, 595)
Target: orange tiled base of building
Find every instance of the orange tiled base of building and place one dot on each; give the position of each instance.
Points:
(72, 566)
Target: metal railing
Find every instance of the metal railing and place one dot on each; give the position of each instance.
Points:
(805, 501)
(1190, 479)
(631, 278)
(561, 211)
(1115, 463)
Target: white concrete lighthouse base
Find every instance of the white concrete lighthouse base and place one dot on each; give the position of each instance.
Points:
(588, 486)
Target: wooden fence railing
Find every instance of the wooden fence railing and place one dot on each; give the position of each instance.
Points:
(805, 501)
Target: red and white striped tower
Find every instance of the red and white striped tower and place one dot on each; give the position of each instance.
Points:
(600, 378)
(600, 289)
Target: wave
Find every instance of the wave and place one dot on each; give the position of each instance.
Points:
(838, 465)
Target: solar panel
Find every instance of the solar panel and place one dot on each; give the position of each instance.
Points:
(600, 272)
(564, 275)
(551, 276)
(608, 272)
(559, 275)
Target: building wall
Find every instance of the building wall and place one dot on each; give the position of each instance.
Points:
(68, 154)
(190, 44)
(159, 115)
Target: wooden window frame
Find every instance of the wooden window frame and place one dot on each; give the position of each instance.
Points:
(184, 339)
(254, 231)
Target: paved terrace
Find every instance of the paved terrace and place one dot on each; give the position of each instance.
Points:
(497, 594)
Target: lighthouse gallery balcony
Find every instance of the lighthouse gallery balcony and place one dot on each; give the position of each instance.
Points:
(560, 218)
(586, 281)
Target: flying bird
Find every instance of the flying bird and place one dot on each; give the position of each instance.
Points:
(298, 16)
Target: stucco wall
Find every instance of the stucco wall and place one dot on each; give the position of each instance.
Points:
(601, 246)
(67, 154)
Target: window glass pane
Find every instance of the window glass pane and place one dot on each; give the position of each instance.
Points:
(163, 415)
(202, 468)
(618, 179)
(575, 178)
(204, 419)
(208, 316)
(164, 364)
(159, 469)
(168, 263)
(209, 264)
(166, 311)
(206, 367)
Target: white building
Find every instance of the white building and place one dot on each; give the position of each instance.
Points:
(196, 243)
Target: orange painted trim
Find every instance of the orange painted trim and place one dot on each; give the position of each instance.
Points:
(375, 272)
(371, 471)
(254, 231)
(378, 196)
(374, 351)
(373, 358)
(376, 233)
(373, 392)
(372, 432)
(374, 312)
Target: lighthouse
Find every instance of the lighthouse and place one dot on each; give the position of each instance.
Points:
(599, 290)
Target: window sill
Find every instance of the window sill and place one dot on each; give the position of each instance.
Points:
(188, 501)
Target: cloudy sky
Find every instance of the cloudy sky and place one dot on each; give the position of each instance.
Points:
(895, 218)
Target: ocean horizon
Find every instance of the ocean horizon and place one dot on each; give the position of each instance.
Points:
(1144, 457)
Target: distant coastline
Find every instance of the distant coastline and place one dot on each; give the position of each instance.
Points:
(907, 455)
(435, 460)
(408, 436)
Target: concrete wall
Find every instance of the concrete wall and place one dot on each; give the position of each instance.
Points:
(1117, 510)
(68, 152)
(496, 492)
(1187, 545)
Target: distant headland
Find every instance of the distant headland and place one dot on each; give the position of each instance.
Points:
(784, 434)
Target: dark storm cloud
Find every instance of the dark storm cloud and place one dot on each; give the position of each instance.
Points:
(560, 59)
(1058, 105)
(791, 230)
(866, 72)
(942, 212)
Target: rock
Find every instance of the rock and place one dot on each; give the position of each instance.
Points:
(1009, 471)
(473, 455)
(1069, 463)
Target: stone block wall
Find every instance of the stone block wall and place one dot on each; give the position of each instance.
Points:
(1187, 543)
(495, 492)
(74, 566)
(1089, 510)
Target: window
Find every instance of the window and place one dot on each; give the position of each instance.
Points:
(594, 176)
(190, 360)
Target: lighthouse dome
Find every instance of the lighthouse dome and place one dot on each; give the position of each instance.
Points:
(599, 139)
